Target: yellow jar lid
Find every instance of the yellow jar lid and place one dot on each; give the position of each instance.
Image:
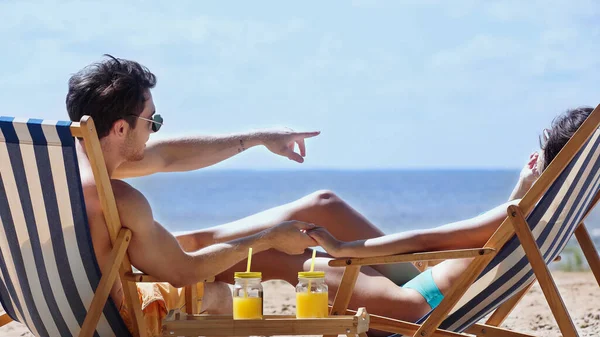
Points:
(311, 274)
(244, 274)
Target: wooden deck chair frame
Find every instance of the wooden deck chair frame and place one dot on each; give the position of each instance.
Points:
(515, 223)
(190, 322)
(118, 263)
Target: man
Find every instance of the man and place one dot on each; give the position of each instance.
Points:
(116, 94)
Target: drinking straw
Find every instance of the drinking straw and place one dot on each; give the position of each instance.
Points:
(249, 259)
(247, 271)
(312, 268)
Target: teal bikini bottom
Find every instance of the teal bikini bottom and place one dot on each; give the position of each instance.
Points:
(424, 284)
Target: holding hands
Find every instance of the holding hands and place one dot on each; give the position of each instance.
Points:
(323, 238)
(290, 237)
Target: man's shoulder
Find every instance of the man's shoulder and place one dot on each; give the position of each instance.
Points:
(125, 195)
(133, 207)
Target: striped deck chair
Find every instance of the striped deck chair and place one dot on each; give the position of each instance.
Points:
(49, 277)
(533, 234)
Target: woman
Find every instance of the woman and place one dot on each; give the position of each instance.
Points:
(432, 284)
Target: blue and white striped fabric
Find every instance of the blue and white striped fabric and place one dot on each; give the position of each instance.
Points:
(552, 221)
(48, 270)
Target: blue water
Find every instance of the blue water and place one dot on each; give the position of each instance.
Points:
(393, 200)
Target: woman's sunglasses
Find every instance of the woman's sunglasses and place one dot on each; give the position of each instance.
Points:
(544, 138)
(157, 121)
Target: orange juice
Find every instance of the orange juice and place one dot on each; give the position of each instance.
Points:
(247, 296)
(311, 305)
(247, 308)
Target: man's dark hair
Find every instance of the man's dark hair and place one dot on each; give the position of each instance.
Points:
(109, 90)
(563, 128)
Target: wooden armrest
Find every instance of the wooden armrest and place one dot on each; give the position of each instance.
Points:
(425, 256)
(423, 265)
(141, 277)
(5, 319)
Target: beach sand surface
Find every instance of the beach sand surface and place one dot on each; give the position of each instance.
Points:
(532, 315)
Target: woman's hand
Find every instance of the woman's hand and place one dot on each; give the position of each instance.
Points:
(332, 246)
(530, 172)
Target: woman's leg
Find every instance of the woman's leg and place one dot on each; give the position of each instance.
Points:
(323, 208)
(373, 290)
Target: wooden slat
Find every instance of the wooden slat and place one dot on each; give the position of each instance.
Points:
(134, 306)
(5, 319)
(76, 130)
(408, 328)
(105, 192)
(590, 253)
(592, 205)
(589, 250)
(109, 275)
(111, 216)
(141, 277)
(423, 256)
(344, 293)
(191, 299)
(220, 318)
(404, 328)
(542, 273)
(178, 324)
(422, 265)
(585, 131)
(507, 307)
(483, 330)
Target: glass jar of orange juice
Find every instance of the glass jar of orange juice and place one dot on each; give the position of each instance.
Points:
(248, 296)
(311, 295)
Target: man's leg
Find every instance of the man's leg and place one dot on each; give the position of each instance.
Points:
(217, 299)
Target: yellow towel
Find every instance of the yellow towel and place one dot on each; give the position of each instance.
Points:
(156, 300)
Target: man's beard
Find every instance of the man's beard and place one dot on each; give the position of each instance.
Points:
(129, 150)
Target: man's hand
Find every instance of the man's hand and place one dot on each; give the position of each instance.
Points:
(290, 237)
(324, 239)
(283, 142)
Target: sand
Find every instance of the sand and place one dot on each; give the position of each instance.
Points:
(580, 292)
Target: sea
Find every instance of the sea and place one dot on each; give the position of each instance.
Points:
(393, 200)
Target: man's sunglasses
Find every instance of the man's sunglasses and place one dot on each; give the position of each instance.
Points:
(157, 121)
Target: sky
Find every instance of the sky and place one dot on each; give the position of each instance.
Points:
(390, 84)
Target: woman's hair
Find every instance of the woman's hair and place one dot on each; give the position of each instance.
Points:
(563, 128)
